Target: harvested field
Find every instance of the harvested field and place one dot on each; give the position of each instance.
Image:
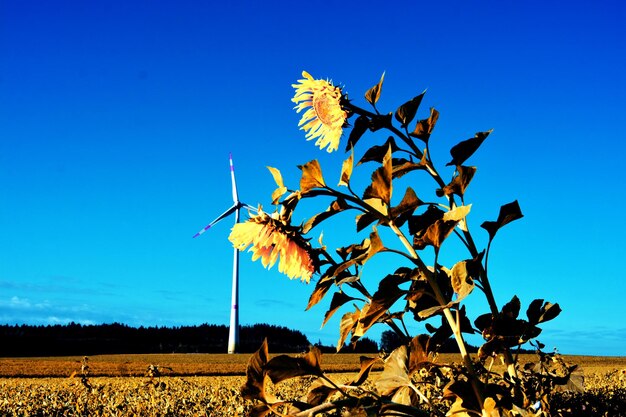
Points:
(42, 386)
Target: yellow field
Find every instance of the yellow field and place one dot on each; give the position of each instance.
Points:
(179, 393)
(178, 364)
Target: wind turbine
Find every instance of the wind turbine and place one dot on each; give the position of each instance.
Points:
(233, 333)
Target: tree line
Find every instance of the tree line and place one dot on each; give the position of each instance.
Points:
(77, 339)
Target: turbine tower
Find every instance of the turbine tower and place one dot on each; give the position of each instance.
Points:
(233, 333)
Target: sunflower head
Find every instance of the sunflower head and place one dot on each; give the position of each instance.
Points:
(271, 240)
(324, 117)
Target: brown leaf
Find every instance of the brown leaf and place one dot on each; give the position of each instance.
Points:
(420, 223)
(373, 94)
(403, 166)
(459, 183)
(395, 372)
(424, 128)
(401, 213)
(321, 288)
(335, 207)
(311, 176)
(339, 299)
(508, 213)
(319, 391)
(283, 367)
(406, 112)
(347, 325)
(361, 124)
(346, 170)
(377, 153)
(435, 234)
(364, 220)
(381, 181)
(538, 313)
(387, 294)
(461, 281)
(463, 150)
(366, 367)
(511, 309)
(254, 388)
(418, 356)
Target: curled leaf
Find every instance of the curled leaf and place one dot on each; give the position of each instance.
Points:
(283, 367)
(459, 183)
(281, 190)
(361, 124)
(346, 170)
(508, 213)
(463, 150)
(381, 181)
(373, 94)
(311, 176)
(339, 299)
(424, 128)
(406, 112)
(254, 387)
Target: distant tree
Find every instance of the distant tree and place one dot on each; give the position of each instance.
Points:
(389, 340)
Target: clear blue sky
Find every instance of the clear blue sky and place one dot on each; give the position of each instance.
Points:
(117, 118)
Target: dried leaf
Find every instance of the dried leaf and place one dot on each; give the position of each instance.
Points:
(401, 213)
(346, 170)
(377, 153)
(459, 183)
(283, 367)
(511, 309)
(418, 356)
(361, 125)
(366, 366)
(457, 214)
(463, 150)
(364, 220)
(254, 387)
(347, 325)
(321, 288)
(435, 234)
(387, 294)
(311, 176)
(319, 391)
(381, 181)
(424, 128)
(420, 223)
(406, 112)
(339, 299)
(508, 213)
(395, 373)
(335, 207)
(538, 313)
(373, 94)
(461, 281)
(281, 190)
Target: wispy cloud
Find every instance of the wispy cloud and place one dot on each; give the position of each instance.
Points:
(273, 303)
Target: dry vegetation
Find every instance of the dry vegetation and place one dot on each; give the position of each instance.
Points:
(179, 393)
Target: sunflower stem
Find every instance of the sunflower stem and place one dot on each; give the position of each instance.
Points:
(454, 325)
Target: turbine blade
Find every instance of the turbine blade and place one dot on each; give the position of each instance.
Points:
(232, 178)
(249, 207)
(220, 217)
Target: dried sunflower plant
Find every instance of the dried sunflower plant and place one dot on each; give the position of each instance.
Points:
(413, 382)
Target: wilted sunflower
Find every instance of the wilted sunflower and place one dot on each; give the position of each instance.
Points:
(324, 118)
(273, 240)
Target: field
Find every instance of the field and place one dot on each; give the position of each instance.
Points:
(208, 385)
